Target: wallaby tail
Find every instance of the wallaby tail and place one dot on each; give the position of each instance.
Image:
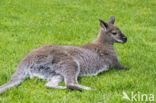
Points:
(16, 80)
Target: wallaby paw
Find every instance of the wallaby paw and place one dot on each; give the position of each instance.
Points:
(93, 89)
(126, 68)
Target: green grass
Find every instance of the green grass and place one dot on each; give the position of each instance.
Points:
(29, 24)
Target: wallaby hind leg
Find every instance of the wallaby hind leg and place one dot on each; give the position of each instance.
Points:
(16, 80)
(54, 81)
(71, 76)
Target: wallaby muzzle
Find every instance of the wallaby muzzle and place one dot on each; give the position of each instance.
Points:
(124, 38)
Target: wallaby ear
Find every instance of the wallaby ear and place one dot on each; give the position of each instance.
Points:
(103, 24)
(112, 20)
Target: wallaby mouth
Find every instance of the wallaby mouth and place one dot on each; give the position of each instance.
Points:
(122, 40)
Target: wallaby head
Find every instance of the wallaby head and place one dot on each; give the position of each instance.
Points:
(110, 33)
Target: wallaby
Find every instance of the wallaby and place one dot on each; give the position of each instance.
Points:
(57, 63)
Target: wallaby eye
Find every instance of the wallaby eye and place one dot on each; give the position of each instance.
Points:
(114, 33)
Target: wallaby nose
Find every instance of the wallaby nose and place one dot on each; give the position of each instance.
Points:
(124, 38)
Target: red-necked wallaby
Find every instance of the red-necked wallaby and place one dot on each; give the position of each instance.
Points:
(57, 63)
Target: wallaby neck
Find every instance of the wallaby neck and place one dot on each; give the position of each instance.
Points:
(101, 43)
(99, 46)
(103, 38)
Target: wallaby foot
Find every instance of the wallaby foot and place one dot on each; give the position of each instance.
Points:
(54, 81)
(126, 68)
(49, 86)
(79, 87)
(120, 67)
(123, 68)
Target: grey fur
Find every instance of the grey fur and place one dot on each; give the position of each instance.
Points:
(57, 63)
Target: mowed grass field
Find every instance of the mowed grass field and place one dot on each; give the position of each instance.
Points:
(29, 24)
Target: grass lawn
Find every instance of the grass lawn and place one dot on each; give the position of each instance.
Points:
(29, 24)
